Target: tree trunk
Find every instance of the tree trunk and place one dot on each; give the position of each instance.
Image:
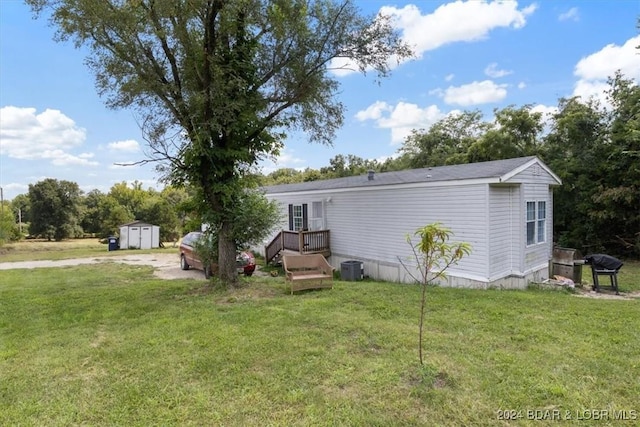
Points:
(227, 254)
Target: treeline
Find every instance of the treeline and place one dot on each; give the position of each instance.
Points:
(58, 209)
(593, 148)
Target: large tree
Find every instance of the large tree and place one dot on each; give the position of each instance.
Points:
(90, 213)
(574, 150)
(446, 142)
(55, 208)
(616, 202)
(515, 132)
(217, 83)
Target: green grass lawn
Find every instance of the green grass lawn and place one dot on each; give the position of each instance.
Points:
(74, 248)
(111, 344)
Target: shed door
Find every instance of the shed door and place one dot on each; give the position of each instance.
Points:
(145, 238)
(134, 237)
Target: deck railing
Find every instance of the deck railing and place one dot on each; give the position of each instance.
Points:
(303, 242)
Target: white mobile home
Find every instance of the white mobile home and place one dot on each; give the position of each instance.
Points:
(139, 235)
(502, 208)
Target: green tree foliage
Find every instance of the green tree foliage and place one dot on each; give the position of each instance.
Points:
(282, 176)
(55, 207)
(131, 196)
(446, 142)
(350, 165)
(91, 215)
(217, 82)
(157, 210)
(256, 217)
(596, 152)
(21, 208)
(573, 149)
(433, 254)
(112, 215)
(9, 230)
(616, 203)
(515, 132)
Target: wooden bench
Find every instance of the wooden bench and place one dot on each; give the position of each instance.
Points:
(310, 271)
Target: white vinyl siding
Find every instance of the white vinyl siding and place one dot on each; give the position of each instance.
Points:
(371, 225)
(538, 253)
(374, 224)
(504, 214)
(533, 175)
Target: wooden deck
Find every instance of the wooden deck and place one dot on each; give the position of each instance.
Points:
(298, 242)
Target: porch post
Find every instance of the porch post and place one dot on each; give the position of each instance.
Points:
(300, 242)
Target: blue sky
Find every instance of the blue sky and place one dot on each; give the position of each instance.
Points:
(470, 55)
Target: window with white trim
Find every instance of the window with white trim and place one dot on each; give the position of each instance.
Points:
(542, 218)
(536, 222)
(297, 217)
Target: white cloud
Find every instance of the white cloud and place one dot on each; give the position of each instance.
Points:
(373, 111)
(593, 70)
(522, 85)
(60, 158)
(494, 72)
(129, 146)
(49, 135)
(546, 110)
(455, 22)
(449, 77)
(286, 159)
(570, 15)
(458, 21)
(610, 58)
(14, 188)
(474, 93)
(401, 118)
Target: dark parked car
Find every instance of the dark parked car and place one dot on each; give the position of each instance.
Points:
(245, 262)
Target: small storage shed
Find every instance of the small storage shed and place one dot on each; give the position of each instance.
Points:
(139, 235)
(503, 208)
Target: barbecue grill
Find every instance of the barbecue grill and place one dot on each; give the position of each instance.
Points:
(604, 265)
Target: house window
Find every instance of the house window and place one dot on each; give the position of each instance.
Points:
(542, 216)
(536, 222)
(298, 217)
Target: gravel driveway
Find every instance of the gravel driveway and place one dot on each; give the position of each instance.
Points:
(167, 266)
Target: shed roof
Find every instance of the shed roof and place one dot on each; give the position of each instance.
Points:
(497, 169)
(137, 223)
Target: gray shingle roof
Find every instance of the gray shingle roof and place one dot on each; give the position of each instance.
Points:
(492, 169)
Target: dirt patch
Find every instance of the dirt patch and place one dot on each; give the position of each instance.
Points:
(587, 292)
(166, 266)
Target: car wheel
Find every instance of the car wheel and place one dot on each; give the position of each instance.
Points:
(183, 263)
(207, 272)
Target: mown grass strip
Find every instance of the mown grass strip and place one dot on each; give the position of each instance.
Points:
(110, 344)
